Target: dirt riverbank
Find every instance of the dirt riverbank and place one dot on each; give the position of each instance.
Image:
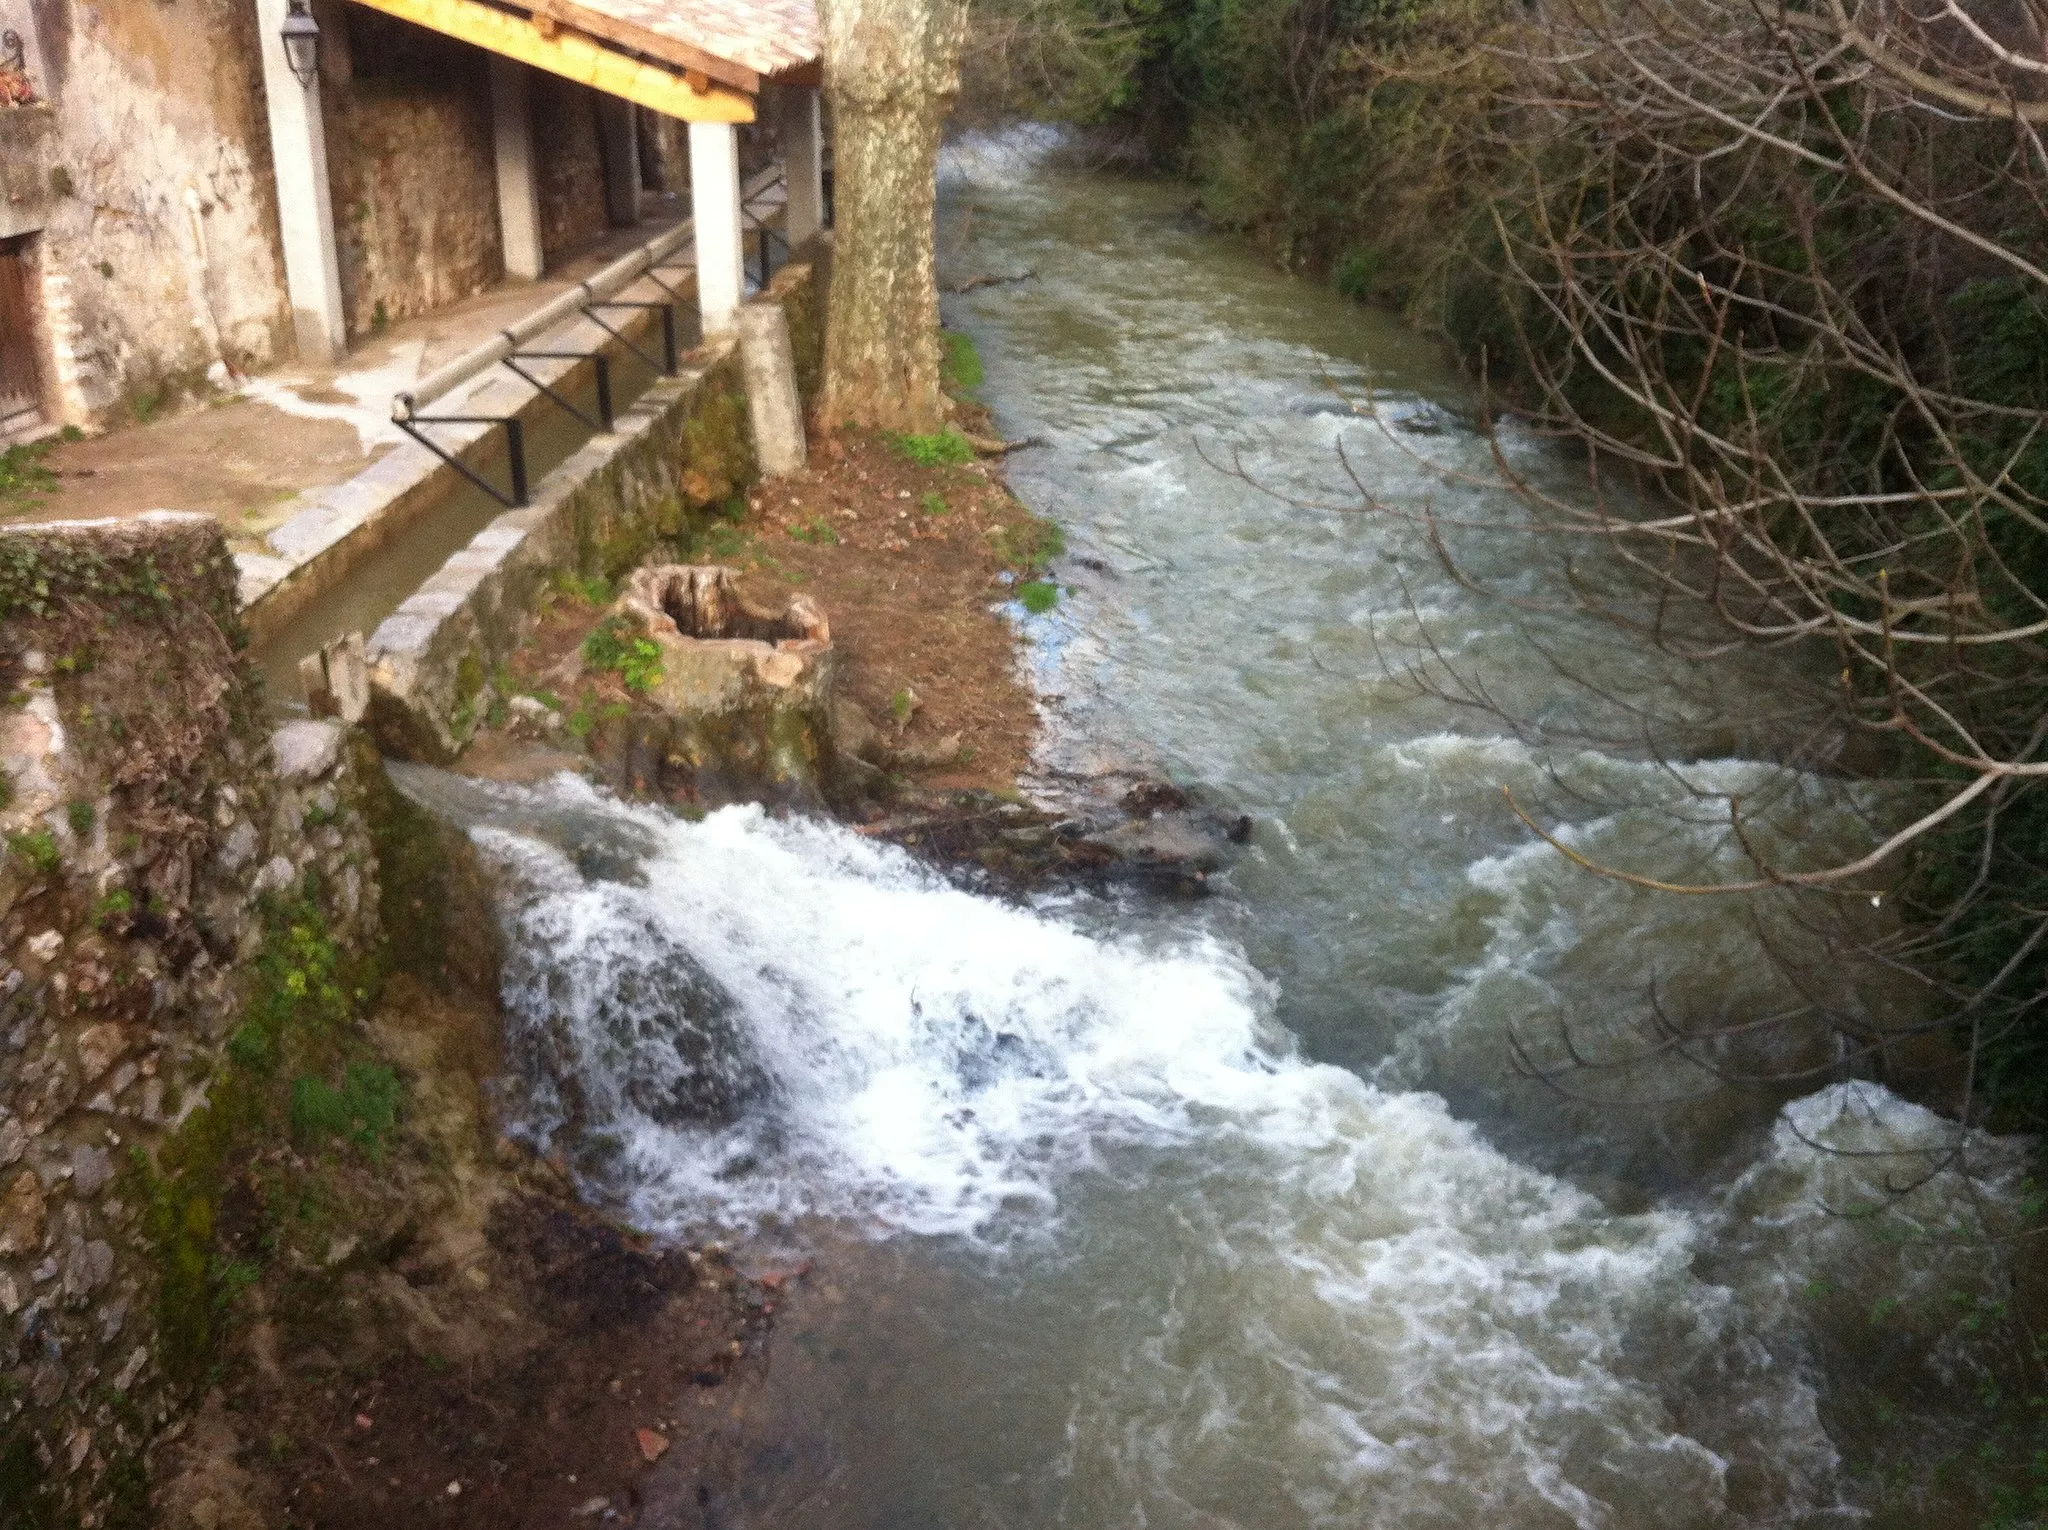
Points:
(911, 561)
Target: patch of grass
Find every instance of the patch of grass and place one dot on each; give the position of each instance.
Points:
(1030, 544)
(961, 371)
(363, 1110)
(594, 591)
(901, 705)
(81, 816)
(634, 659)
(948, 448)
(39, 848)
(114, 908)
(817, 531)
(935, 504)
(582, 723)
(1039, 596)
(23, 478)
(147, 404)
(725, 544)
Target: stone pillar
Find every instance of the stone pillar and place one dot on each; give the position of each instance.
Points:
(305, 205)
(803, 157)
(715, 205)
(518, 182)
(621, 160)
(772, 401)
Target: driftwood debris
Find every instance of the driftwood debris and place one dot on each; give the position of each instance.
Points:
(987, 279)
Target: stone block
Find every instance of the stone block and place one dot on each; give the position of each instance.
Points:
(306, 751)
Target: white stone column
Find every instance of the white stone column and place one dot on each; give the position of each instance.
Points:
(518, 180)
(305, 205)
(715, 204)
(621, 160)
(803, 155)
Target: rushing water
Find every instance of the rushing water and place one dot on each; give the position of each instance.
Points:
(1236, 1214)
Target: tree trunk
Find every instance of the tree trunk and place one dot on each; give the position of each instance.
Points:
(892, 69)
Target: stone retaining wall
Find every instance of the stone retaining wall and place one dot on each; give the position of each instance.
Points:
(684, 449)
(150, 815)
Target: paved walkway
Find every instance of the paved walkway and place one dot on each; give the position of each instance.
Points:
(246, 457)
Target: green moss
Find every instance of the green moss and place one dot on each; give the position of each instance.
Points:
(718, 448)
(962, 371)
(363, 1109)
(797, 288)
(303, 994)
(114, 909)
(1038, 596)
(38, 847)
(596, 591)
(469, 677)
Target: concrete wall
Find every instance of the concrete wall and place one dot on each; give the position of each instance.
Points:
(571, 164)
(130, 923)
(158, 244)
(409, 155)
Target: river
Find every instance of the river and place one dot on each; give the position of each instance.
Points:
(1238, 1213)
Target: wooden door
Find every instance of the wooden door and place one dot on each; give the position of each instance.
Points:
(20, 392)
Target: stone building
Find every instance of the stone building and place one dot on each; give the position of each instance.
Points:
(178, 205)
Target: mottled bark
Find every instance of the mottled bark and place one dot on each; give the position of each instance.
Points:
(892, 69)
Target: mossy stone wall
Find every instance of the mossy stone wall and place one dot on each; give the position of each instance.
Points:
(151, 816)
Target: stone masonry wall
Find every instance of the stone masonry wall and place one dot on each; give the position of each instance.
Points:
(569, 160)
(158, 247)
(409, 154)
(150, 812)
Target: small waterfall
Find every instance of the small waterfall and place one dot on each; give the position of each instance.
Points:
(1361, 1310)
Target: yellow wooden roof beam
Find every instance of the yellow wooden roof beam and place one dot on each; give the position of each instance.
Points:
(575, 56)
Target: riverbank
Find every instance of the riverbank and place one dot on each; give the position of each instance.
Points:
(915, 550)
(439, 1333)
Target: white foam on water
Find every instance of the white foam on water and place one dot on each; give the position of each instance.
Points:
(1376, 1317)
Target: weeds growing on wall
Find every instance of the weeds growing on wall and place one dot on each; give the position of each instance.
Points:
(296, 1080)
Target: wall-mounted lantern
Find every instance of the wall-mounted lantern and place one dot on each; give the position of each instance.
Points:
(301, 34)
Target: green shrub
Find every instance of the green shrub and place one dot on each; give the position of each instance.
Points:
(1039, 596)
(81, 817)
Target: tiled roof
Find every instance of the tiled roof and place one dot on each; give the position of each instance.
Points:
(760, 36)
